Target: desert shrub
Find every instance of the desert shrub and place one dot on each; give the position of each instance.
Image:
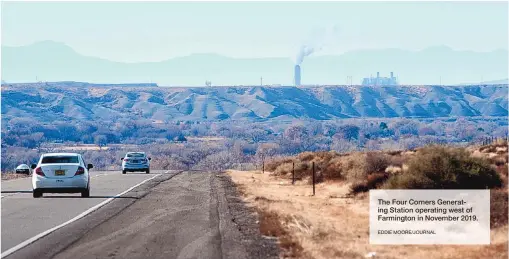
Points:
(502, 172)
(376, 179)
(332, 170)
(393, 169)
(301, 169)
(326, 156)
(440, 167)
(376, 162)
(283, 169)
(500, 160)
(273, 163)
(358, 187)
(353, 167)
(492, 148)
(372, 181)
(394, 152)
(319, 177)
(498, 208)
(306, 156)
(398, 160)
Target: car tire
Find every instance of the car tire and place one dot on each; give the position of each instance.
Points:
(147, 171)
(85, 193)
(37, 194)
(123, 171)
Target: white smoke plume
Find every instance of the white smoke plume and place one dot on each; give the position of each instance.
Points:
(317, 41)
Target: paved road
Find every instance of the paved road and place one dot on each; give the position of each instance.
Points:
(24, 217)
(187, 214)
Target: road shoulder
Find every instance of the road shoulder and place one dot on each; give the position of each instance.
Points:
(239, 224)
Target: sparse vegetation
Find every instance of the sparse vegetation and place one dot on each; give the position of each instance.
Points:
(246, 144)
(346, 179)
(310, 226)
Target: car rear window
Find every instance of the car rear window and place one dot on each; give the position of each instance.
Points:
(136, 155)
(59, 159)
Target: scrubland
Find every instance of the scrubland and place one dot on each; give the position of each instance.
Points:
(334, 223)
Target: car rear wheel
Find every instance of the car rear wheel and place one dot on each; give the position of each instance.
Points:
(123, 171)
(147, 171)
(37, 194)
(86, 193)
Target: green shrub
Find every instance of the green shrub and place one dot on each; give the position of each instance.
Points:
(440, 167)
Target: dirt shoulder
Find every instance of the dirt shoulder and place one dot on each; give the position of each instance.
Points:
(12, 176)
(188, 216)
(333, 224)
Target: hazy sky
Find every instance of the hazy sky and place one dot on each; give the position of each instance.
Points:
(133, 32)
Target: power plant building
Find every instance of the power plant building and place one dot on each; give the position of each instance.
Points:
(380, 81)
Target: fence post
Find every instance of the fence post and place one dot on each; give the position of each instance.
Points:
(293, 172)
(313, 178)
(263, 166)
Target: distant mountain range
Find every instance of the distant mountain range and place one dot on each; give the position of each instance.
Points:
(50, 103)
(52, 61)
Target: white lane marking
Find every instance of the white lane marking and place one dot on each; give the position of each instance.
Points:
(35, 238)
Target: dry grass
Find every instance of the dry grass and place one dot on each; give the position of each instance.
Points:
(333, 224)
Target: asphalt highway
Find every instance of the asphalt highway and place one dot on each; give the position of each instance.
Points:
(165, 214)
(24, 217)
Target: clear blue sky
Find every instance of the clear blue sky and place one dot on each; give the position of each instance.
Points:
(133, 32)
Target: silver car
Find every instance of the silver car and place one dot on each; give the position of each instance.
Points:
(23, 169)
(136, 162)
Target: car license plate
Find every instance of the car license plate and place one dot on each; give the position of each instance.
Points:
(59, 172)
(136, 161)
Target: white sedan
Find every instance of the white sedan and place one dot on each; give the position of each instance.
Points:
(61, 173)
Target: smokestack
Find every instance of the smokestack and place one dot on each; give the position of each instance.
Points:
(377, 75)
(297, 75)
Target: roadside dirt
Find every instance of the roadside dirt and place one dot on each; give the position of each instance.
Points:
(12, 176)
(192, 215)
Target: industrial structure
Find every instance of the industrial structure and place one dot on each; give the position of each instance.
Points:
(380, 81)
(296, 76)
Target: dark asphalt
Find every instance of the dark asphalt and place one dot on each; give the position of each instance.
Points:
(24, 217)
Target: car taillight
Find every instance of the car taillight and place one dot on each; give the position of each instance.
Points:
(80, 170)
(39, 171)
